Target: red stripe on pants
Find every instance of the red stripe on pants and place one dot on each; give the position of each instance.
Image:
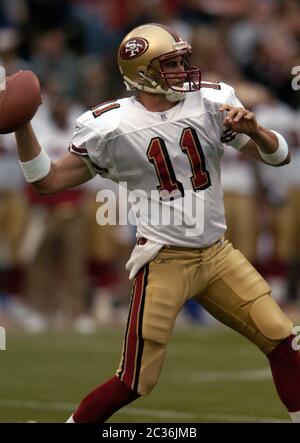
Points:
(132, 344)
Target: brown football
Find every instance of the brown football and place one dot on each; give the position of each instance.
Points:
(19, 100)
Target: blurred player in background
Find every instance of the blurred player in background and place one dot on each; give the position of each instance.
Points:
(166, 143)
(108, 247)
(58, 244)
(240, 185)
(13, 218)
(281, 191)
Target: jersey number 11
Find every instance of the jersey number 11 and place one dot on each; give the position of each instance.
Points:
(190, 145)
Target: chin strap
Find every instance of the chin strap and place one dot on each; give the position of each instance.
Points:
(170, 94)
(174, 96)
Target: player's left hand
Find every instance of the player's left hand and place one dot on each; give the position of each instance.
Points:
(239, 119)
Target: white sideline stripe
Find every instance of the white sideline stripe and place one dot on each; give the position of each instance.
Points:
(223, 376)
(55, 406)
(32, 404)
(245, 418)
(159, 413)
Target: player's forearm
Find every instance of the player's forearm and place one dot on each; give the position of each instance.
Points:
(269, 145)
(27, 143)
(265, 140)
(45, 176)
(30, 151)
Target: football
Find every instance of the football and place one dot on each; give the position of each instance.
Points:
(20, 97)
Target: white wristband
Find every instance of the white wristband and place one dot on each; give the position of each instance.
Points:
(37, 168)
(278, 156)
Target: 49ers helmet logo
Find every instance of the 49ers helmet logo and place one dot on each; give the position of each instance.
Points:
(133, 48)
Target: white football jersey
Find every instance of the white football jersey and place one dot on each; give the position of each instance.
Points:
(169, 161)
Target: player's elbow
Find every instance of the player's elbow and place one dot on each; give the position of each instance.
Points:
(46, 186)
(41, 189)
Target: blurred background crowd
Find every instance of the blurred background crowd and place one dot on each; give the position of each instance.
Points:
(58, 268)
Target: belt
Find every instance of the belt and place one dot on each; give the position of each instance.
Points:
(142, 241)
(187, 248)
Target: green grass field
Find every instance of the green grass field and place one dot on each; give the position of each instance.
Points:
(210, 375)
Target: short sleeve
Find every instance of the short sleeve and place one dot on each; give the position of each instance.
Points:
(229, 137)
(89, 145)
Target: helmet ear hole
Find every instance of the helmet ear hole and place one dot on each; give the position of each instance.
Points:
(151, 72)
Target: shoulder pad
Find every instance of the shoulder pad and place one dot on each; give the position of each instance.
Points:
(219, 94)
(103, 119)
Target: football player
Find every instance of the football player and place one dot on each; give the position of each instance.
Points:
(166, 142)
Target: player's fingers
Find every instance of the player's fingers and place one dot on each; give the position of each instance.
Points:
(225, 107)
(250, 116)
(240, 115)
(232, 114)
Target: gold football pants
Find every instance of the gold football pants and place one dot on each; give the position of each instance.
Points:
(221, 279)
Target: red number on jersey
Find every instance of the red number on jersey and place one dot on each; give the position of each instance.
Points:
(191, 146)
(158, 155)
